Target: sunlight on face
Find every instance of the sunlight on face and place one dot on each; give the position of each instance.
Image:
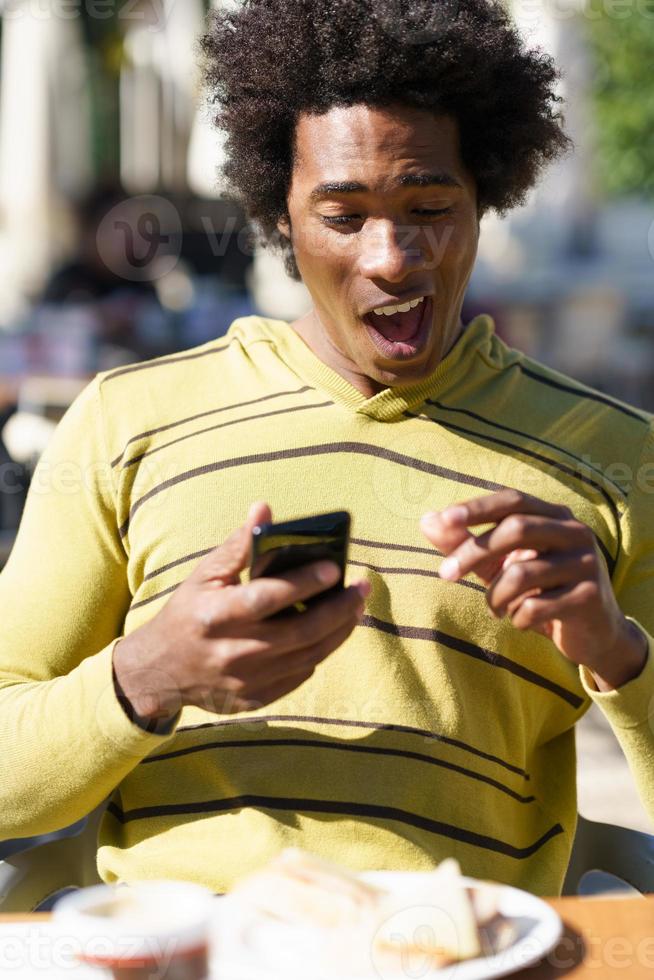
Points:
(381, 210)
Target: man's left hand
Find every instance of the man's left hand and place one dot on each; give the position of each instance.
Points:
(543, 570)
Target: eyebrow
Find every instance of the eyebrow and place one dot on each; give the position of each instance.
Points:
(407, 180)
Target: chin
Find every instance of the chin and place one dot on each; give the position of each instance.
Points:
(403, 373)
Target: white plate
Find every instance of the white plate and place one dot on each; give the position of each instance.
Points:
(36, 950)
(273, 952)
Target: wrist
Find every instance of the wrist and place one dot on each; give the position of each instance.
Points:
(145, 693)
(625, 661)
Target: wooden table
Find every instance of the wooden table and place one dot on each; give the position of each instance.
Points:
(604, 938)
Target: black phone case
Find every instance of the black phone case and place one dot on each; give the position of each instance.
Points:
(278, 548)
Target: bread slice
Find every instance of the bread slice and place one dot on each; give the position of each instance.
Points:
(434, 919)
(432, 916)
(301, 889)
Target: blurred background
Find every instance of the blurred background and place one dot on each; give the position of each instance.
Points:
(117, 244)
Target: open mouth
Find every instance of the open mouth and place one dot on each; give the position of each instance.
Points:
(401, 333)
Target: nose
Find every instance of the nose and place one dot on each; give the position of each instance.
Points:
(390, 251)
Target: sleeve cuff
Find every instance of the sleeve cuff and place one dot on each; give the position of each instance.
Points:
(632, 704)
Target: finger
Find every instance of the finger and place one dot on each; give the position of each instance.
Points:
(520, 554)
(447, 539)
(249, 669)
(444, 536)
(495, 507)
(266, 647)
(536, 611)
(519, 531)
(261, 598)
(301, 660)
(224, 564)
(296, 633)
(521, 577)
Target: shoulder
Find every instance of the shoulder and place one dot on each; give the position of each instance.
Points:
(187, 366)
(153, 395)
(548, 402)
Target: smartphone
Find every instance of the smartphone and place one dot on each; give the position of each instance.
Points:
(279, 548)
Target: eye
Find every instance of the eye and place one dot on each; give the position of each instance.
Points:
(339, 219)
(345, 219)
(428, 212)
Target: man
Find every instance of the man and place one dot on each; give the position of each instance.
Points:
(439, 720)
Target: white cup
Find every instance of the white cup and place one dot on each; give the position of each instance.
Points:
(149, 930)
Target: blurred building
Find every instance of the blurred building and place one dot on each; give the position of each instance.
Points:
(571, 274)
(117, 241)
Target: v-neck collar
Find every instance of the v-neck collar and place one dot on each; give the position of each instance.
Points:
(387, 405)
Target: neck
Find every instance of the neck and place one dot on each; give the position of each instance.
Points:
(318, 341)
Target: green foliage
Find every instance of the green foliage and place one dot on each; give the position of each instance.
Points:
(621, 33)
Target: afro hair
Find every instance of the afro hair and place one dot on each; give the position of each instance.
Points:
(268, 61)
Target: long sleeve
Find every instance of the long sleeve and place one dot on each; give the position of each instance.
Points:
(65, 741)
(630, 709)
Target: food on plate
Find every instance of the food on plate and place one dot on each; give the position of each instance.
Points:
(435, 915)
(300, 888)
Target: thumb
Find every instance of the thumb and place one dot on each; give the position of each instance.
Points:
(224, 564)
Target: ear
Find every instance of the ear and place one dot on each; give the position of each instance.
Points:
(284, 226)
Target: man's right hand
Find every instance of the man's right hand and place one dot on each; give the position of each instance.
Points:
(213, 646)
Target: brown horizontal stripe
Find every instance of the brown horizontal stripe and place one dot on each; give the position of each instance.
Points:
(371, 725)
(527, 435)
(342, 808)
(225, 425)
(305, 452)
(358, 564)
(550, 462)
(415, 571)
(163, 362)
(153, 598)
(341, 747)
(582, 393)
(472, 650)
(357, 541)
(397, 547)
(534, 455)
(179, 561)
(204, 415)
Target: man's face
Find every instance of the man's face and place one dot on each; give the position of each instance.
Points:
(382, 213)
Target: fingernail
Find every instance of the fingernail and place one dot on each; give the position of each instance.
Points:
(327, 572)
(450, 569)
(455, 516)
(254, 508)
(364, 588)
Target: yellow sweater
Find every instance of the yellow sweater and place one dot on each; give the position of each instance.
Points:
(433, 731)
